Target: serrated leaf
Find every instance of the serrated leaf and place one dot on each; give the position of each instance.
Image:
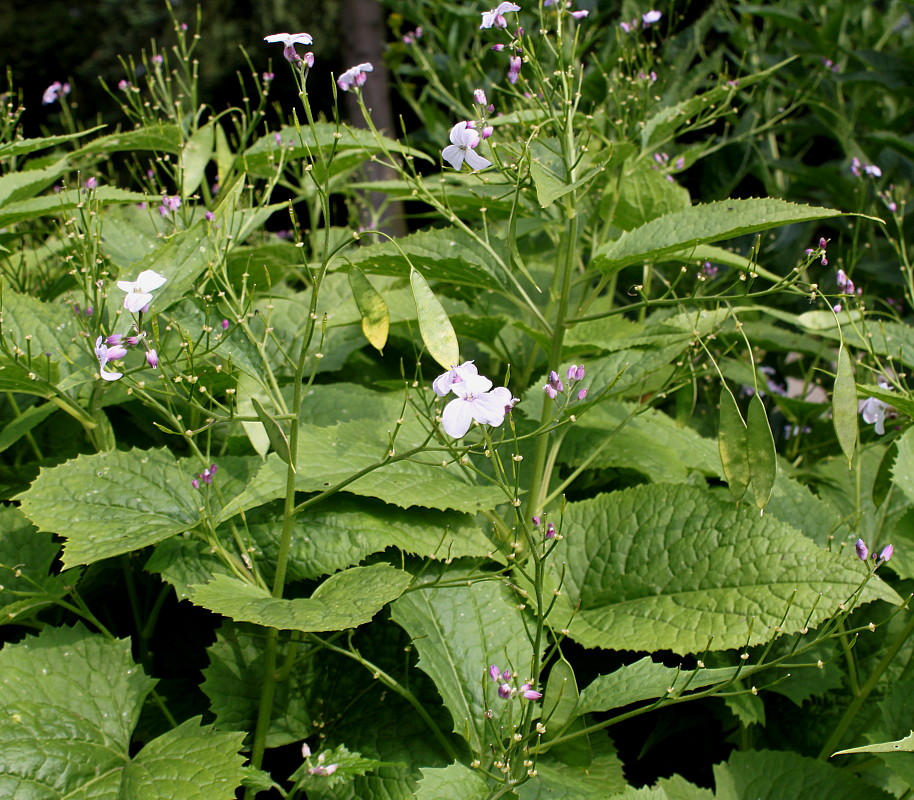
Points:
(142, 495)
(458, 632)
(844, 405)
(905, 745)
(434, 325)
(375, 316)
(601, 779)
(47, 205)
(561, 716)
(733, 444)
(348, 765)
(669, 567)
(645, 680)
(903, 468)
(454, 782)
(701, 224)
(275, 433)
(25, 183)
(23, 424)
(232, 683)
(195, 155)
(775, 775)
(763, 465)
(345, 600)
(156, 136)
(23, 147)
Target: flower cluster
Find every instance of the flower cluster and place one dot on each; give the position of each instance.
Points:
(858, 168)
(288, 41)
(54, 92)
(205, 477)
(506, 691)
(320, 768)
(496, 19)
(550, 532)
(474, 400)
(170, 204)
(862, 552)
(574, 375)
(648, 18)
(354, 77)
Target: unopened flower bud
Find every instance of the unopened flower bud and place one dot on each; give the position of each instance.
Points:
(823, 243)
(495, 673)
(536, 521)
(504, 691)
(305, 750)
(861, 549)
(887, 552)
(582, 394)
(486, 132)
(152, 358)
(550, 531)
(480, 97)
(114, 338)
(530, 694)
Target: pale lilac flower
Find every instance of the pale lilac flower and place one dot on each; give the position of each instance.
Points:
(463, 140)
(305, 750)
(582, 394)
(887, 552)
(139, 292)
(495, 673)
(152, 358)
(861, 549)
(504, 691)
(528, 693)
(650, 17)
(579, 14)
(308, 59)
(627, 27)
(267, 77)
(474, 401)
(158, 58)
(209, 216)
(54, 91)
(855, 166)
(498, 47)
(170, 204)
(456, 374)
(323, 771)
(514, 65)
(486, 132)
(104, 354)
(123, 84)
(91, 183)
(873, 412)
(873, 170)
(496, 17)
(550, 530)
(289, 39)
(536, 521)
(354, 77)
(225, 324)
(480, 97)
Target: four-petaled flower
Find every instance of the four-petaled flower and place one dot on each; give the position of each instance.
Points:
(354, 77)
(457, 374)
(104, 354)
(463, 140)
(474, 401)
(54, 91)
(139, 292)
(496, 16)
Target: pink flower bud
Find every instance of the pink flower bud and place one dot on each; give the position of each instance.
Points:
(529, 693)
(536, 521)
(225, 324)
(495, 673)
(504, 691)
(582, 394)
(486, 132)
(480, 97)
(887, 552)
(152, 358)
(861, 549)
(550, 531)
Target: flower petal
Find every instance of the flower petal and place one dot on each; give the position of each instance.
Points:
(476, 161)
(457, 417)
(149, 280)
(454, 155)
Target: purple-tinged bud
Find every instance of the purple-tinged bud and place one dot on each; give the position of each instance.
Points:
(305, 750)
(495, 673)
(861, 549)
(579, 373)
(529, 693)
(554, 379)
(550, 390)
(88, 311)
(550, 531)
(152, 358)
(823, 242)
(887, 552)
(132, 341)
(480, 97)
(824, 261)
(309, 62)
(77, 309)
(572, 370)
(123, 85)
(213, 469)
(209, 216)
(498, 47)
(579, 14)
(519, 33)
(267, 77)
(536, 521)
(506, 675)
(504, 691)
(195, 483)
(841, 278)
(514, 65)
(582, 394)
(490, 109)
(114, 338)
(92, 183)
(330, 769)
(225, 324)
(116, 352)
(486, 132)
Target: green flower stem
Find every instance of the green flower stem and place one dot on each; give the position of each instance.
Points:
(850, 713)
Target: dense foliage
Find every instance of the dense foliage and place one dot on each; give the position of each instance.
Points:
(593, 484)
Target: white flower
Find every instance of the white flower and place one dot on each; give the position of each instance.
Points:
(139, 292)
(650, 17)
(475, 401)
(496, 16)
(873, 412)
(354, 77)
(457, 374)
(104, 354)
(463, 140)
(289, 39)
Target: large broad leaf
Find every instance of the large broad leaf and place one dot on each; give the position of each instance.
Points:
(157, 137)
(26, 556)
(775, 775)
(71, 700)
(674, 568)
(455, 782)
(23, 147)
(327, 456)
(232, 683)
(46, 205)
(439, 255)
(345, 600)
(23, 184)
(903, 468)
(459, 632)
(702, 224)
(556, 780)
(112, 503)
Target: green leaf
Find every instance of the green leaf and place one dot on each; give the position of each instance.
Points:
(775, 775)
(275, 433)
(48, 205)
(905, 745)
(225, 158)
(844, 405)
(26, 557)
(23, 184)
(22, 425)
(678, 788)
(559, 781)
(434, 325)
(345, 600)
(903, 469)
(733, 443)
(646, 680)
(670, 567)
(233, 679)
(446, 255)
(157, 136)
(195, 155)
(70, 703)
(23, 147)
(561, 716)
(192, 762)
(701, 224)
(375, 316)
(348, 765)
(330, 455)
(645, 194)
(763, 464)
(454, 782)
(142, 495)
(458, 632)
